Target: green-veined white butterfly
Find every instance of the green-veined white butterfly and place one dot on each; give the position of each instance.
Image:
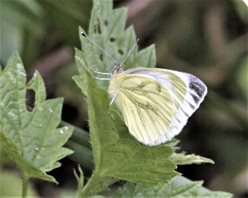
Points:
(155, 103)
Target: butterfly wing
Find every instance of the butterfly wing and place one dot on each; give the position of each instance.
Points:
(156, 103)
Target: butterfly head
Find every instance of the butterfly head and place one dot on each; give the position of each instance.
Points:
(117, 69)
(117, 66)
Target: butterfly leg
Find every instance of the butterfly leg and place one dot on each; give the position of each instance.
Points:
(98, 78)
(102, 73)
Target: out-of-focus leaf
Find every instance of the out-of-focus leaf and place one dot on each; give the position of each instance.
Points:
(65, 17)
(242, 77)
(20, 18)
(242, 6)
(179, 187)
(8, 179)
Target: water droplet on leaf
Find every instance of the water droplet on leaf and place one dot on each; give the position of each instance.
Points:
(41, 109)
(12, 115)
(22, 73)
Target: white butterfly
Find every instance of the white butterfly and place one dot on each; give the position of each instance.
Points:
(155, 103)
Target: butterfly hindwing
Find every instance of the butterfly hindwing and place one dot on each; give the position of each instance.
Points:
(145, 107)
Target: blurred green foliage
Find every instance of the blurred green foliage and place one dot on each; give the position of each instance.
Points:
(39, 26)
(8, 179)
(207, 38)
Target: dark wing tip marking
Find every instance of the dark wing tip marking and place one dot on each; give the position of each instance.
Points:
(195, 98)
(197, 86)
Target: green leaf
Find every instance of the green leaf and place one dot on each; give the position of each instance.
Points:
(116, 153)
(242, 77)
(179, 187)
(31, 138)
(81, 80)
(183, 159)
(107, 29)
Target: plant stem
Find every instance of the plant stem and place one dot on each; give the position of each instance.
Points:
(81, 155)
(79, 135)
(24, 185)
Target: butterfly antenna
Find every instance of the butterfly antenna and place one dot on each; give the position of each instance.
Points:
(135, 45)
(98, 46)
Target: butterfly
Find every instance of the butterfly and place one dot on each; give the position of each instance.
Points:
(155, 103)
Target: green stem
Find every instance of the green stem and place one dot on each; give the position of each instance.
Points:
(81, 155)
(24, 186)
(79, 135)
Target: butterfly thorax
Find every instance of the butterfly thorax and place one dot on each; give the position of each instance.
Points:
(113, 90)
(117, 69)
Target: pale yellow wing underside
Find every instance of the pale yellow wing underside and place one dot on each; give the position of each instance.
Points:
(156, 103)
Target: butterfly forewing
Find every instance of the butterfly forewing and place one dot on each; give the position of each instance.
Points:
(156, 103)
